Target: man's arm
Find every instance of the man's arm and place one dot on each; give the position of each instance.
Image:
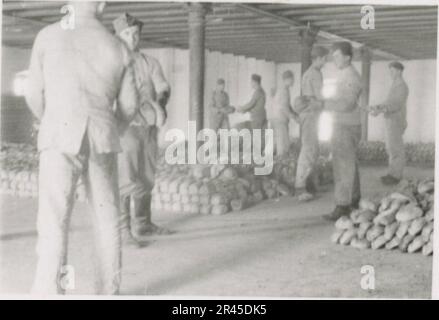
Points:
(251, 104)
(34, 94)
(161, 85)
(162, 88)
(287, 109)
(396, 99)
(317, 86)
(128, 98)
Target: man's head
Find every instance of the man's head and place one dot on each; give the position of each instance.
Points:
(128, 29)
(88, 8)
(318, 56)
(220, 84)
(288, 78)
(256, 81)
(396, 68)
(342, 53)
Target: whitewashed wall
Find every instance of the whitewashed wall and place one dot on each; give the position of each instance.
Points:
(236, 71)
(421, 79)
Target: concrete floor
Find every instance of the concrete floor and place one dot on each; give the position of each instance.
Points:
(277, 248)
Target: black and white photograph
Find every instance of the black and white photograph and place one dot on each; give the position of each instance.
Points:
(256, 149)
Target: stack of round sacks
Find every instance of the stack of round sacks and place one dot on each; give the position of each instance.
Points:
(372, 152)
(401, 220)
(420, 153)
(19, 171)
(218, 189)
(214, 189)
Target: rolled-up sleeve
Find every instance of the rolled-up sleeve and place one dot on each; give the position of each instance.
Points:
(34, 93)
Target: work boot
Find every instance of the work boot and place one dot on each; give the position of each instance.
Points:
(127, 237)
(389, 180)
(338, 212)
(129, 240)
(303, 195)
(311, 187)
(141, 225)
(355, 203)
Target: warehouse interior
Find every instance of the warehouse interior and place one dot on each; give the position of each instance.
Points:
(278, 247)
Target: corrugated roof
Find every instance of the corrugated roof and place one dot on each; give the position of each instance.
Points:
(264, 31)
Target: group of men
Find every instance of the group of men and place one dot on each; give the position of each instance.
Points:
(100, 102)
(344, 106)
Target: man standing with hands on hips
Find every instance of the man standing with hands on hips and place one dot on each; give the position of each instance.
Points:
(137, 162)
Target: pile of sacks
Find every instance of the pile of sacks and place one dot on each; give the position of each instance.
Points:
(374, 152)
(420, 153)
(215, 189)
(19, 172)
(219, 189)
(401, 220)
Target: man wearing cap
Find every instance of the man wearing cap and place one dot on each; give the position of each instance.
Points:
(346, 131)
(220, 107)
(82, 100)
(312, 84)
(395, 115)
(137, 162)
(256, 106)
(282, 113)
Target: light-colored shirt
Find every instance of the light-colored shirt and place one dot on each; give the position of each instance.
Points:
(150, 82)
(282, 105)
(80, 81)
(312, 83)
(345, 103)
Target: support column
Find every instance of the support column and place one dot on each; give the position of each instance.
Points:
(307, 40)
(366, 61)
(196, 19)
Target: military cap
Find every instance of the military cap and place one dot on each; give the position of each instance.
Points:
(397, 65)
(220, 81)
(126, 21)
(256, 77)
(288, 74)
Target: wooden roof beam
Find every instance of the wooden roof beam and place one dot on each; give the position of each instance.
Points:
(321, 33)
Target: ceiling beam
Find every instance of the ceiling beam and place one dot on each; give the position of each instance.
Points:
(30, 5)
(321, 33)
(379, 15)
(356, 21)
